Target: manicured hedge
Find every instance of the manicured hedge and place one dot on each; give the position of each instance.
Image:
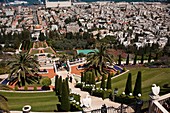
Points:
(125, 99)
(79, 85)
(87, 88)
(101, 93)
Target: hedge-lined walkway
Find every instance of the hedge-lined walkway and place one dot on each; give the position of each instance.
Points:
(96, 102)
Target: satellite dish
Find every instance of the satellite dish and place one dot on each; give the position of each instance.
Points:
(155, 89)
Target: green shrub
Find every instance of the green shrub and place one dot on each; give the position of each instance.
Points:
(35, 88)
(75, 102)
(101, 93)
(75, 106)
(75, 97)
(87, 88)
(45, 81)
(118, 72)
(16, 88)
(25, 88)
(125, 99)
(112, 75)
(79, 85)
(124, 69)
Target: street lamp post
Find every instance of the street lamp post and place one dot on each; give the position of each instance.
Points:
(121, 107)
(104, 109)
(139, 104)
(115, 92)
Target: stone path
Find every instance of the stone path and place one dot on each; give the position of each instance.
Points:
(96, 102)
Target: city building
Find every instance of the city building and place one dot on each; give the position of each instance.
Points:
(51, 4)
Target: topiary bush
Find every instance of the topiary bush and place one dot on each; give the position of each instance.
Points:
(75, 106)
(16, 88)
(101, 93)
(118, 72)
(125, 99)
(35, 88)
(45, 81)
(87, 88)
(25, 88)
(79, 85)
(124, 69)
(75, 102)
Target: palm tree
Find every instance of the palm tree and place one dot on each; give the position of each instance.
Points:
(98, 59)
(22, 69)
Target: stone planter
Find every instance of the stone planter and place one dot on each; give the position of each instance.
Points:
(26, 109)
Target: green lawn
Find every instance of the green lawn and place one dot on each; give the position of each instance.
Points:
(47, 101)
(39, 101)
(159, 76)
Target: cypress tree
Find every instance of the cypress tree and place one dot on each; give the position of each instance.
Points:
(90, 78)
(119, 61)
(103, 82)
(156, 57)
(138, 85)
(85, 77)
(82, 75)
(56, 84)
(127, 60)
(60, 85)
(67, 85)
(93, 72)
(128, 88)
(109, 86)
(142, 58)
(65, 102)
(93, 78)
(149, 59)
(134, 62)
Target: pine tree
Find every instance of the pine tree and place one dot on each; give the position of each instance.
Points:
(109, 85)
(142, 58)
(119, 61)
(127, 60)
(56, 84)
(65, 102)
(103, 81)
(128, 88)
(138, 85)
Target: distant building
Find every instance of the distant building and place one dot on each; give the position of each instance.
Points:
(64, 3)
(9, 13)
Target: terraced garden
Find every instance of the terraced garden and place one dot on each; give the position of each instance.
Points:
(47, 101)
(41, 102)
(159, 76)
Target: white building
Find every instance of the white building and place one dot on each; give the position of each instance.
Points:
(50, 4)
